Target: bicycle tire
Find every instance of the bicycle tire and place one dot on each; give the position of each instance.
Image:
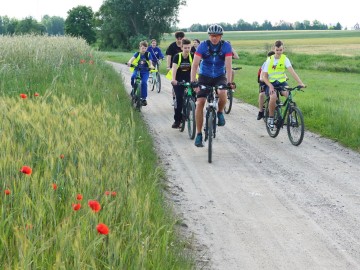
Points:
(229, 102)
(210, 126)
(151, 83)
(191, 122)
(137, 98)
(277, 119)
(183, 117)
(158, 82)
(295, 129)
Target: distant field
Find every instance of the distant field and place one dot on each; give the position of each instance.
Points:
(346, 43)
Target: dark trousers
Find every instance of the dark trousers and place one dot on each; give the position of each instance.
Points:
(179, 93)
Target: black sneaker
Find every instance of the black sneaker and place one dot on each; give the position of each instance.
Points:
(144, 102)
(176, 125)
(260, 115)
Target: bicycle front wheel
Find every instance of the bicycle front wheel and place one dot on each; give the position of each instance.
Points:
(295, 126)
(273, 132)
(229, 101)
(184, 115)
(210, 126)
(157, 83)
(191, 123)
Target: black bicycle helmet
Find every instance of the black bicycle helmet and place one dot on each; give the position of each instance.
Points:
(215, 29)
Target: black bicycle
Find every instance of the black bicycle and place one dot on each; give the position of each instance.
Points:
(286, 113)
(188, 110)
(230, 94)
(155, 79)
(136, 100)
(211, 114)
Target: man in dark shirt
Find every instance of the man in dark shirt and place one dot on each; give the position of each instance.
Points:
(173, 49)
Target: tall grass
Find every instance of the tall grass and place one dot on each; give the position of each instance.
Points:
(75, 129)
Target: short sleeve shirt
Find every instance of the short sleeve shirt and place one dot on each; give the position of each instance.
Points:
(183, 71)
(172, 50)
(265, 66)
(155, 53)
(213, 65)
(142, 61)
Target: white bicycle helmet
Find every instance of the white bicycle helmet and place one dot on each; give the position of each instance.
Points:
(215, 29)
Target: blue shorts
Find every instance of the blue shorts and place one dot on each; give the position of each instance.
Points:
(275, 84)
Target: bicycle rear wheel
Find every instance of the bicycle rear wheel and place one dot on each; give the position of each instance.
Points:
(295, 126)
(229, 102)
(210, 126)
(191, 123)
(277, 125)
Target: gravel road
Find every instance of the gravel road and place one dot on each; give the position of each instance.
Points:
(262, 203)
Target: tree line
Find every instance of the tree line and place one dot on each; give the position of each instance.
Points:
(122, 24)
(241, 25)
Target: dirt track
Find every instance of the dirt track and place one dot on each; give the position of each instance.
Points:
(262, 203)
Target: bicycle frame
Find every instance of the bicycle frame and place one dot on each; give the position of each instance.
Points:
(291, 116)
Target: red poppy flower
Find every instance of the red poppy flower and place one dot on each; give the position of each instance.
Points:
(7, 192)
(54, 186)
(26, 170)
(23, 96)
(107, 193)
(94, 205)
(113, 193)
(76, 206)
(82, 61)
(91, 62)
(36, 94)
(79, 197)
(62, 156)
(102, 228)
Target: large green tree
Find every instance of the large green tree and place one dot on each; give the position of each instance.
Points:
(125, 22)
(80, 23)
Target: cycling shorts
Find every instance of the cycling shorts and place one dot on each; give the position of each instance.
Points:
(205, 80)
(275, 84)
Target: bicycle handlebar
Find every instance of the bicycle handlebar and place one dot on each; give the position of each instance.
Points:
(141, 68)
(287, 88)
(236, 68)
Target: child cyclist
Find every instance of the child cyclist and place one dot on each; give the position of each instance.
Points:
(156, 53)
(274, 75)
(143, 61)
(181, 67)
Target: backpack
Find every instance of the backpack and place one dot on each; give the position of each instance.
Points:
(214, 53)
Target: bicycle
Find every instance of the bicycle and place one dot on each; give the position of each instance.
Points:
(155, 79)
(188, 110)
(230, 93)
(136, 100)
(291, 116)
(211, 114)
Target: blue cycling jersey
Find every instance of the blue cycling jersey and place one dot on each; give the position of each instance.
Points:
(213, 58)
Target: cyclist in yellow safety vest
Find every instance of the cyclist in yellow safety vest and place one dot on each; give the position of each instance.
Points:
(143, 61)
(274, 75)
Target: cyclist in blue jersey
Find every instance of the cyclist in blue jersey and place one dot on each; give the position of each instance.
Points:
(155, 52)
(214, 56)
(143, 60)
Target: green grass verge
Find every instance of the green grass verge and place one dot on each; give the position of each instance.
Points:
(76, 129)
